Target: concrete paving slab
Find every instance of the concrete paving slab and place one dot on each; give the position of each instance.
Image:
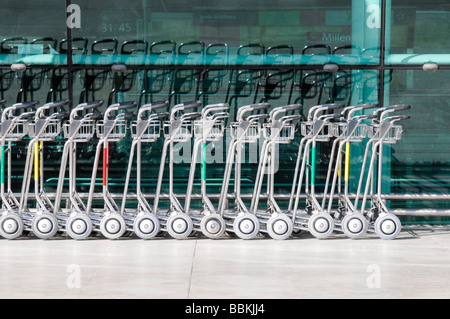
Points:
(415, 265)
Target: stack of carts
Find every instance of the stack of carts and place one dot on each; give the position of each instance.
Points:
(328, 137)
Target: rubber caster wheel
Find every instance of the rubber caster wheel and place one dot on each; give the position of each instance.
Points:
(44, 225)
(112, 226)
(321, 225)
(279, 227)
(146, 226)
(179, 226)
(354, 225)
(246, 226)
(387, 226)
(11, 226)
(212, 226)
(79, 226)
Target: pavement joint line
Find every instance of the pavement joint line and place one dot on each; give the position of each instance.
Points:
(192, 269)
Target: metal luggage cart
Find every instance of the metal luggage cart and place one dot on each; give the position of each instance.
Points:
(179, 128)
(79, 129)
(317, 128)
(112, 129)
(277, 131)
(40, 219)
(383, 131)
(247, 129)
(210, 128)
(143, 221)
(351, 130)
(13, 128)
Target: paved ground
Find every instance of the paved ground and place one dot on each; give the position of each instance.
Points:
(415, 265)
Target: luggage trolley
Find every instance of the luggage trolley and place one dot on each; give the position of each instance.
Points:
(246, 129)
(209, 128)
(44, 128)
(112, 129)
(316, 129)
(146, 129)
(13, 128)
(80, 128)
(349, 131)
(277, 131)
(382, 131)
(178, 129)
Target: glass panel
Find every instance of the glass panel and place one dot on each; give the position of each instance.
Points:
(238, 88)
(420, 160)
(32, 33)
(417, 31)
(202, 32)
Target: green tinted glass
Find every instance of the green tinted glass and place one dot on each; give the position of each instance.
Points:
(33, 33)
(417, 31)
(204, 32)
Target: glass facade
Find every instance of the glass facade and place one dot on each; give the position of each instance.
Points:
(242, 52)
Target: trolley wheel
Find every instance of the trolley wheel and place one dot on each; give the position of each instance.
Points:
(11, 226)
(387, 226)
(79, 226)
(146, 226)
(112, 226)
(212, 226)
(246, 226)
(179, 226)
(44, 225)
(321, 225)
(279, 226)
(354, 225)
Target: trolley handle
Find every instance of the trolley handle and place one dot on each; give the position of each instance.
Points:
(124, 105)
(57, 104)
(118, 107)
(94, 116)
(220, 115)
(397, 107)
(27, 115)
(256, 117)
(365, 117)
(155, 116)
(328, 117)
(53, 105)
(214, 108)
(155, 105)
(88, 105)
(394, 108)
(160, 116)
(84, 107)
(60, 115)
(184, 106)
(358, 107)
(7, 112)
(290, 118)
(24, 105)
(292, 107)
(127, 115)
(315, 110)
(191, 116)
(250, 108)
(283, 109)
(396, 118)
(151, 106)
(365, 106)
